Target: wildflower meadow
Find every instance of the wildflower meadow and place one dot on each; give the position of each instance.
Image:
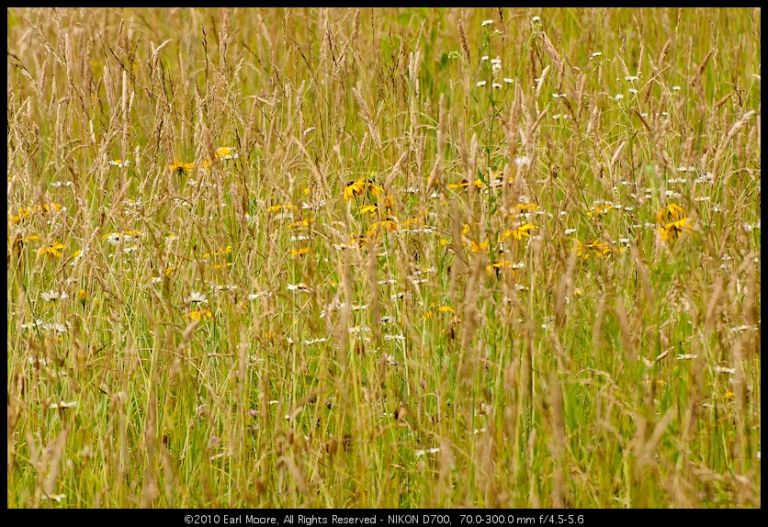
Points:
(383, 258)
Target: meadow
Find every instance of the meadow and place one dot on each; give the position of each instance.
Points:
(383, 258)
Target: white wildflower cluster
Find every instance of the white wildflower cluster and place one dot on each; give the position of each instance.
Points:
(259, 294)
(54, 327)
(52, 295)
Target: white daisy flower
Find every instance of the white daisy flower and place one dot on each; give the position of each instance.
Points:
(196, 297)
(63, 404)
(52, 296)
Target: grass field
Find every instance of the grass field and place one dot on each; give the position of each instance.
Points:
(383, 258)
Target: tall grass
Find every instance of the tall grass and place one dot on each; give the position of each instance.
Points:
(432, 278)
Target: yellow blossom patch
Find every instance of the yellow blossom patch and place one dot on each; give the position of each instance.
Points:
(280, 207)
(179, 167)
(598, 210)
(478, 247)
(354, 189)
(518, 233)
(198, 315)
(526, 207)
(674, 230)
(593, 248)
(671, 213)
(54, 249)
(387, 225)
(305, 222)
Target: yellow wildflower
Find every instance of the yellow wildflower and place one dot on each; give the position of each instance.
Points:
(518, 233)
(278, 207)
(498, 266)
(306, 222)
(353, 189)
(179, 167)
(599, 210)
(22, 214)
(446, 309)
(52, 206)
(476, 247)
(673, 230)
(593, 248)
(385, 225)
(369, 209)
(670, 213)
(375, 189)
(53, 249)
(299, 252)
(226, 152)
(478, 184)
(200, 314)
(526, 207)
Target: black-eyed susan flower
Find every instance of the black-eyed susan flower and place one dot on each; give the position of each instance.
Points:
(526, 208)
(369, 209)
(180, 167)
(354, 188)
(593, 248)
(518, 233)
(22, 214)
(599, 210)
(199, 315)
(388, 225)
(477, 183)
(279, 207)
(302, 223)
(674, 230)
(375, 189)
(54, 249)
(478, 247)
(670, 213)
(27, 212)
(301, 251)
(498, 266)
(226, 153)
